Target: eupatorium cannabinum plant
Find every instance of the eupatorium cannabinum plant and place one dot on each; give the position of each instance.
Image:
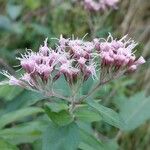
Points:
(76, 61)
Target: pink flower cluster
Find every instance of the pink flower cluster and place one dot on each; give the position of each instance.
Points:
(100, 5)
(72, 58)
(118, 55)
(76, 59)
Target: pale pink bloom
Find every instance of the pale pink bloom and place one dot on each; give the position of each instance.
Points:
(82, 60)
(28, 65)
(44, 70)
(12, 80)
(65, 68)
(75, 59)
(140, 61)
(118, 53)
(88, 46)
(63, 41)
(63, 59)
(106, 58)
(100, 5)
(132, 68)
(15, 81)
(96, 44)
(44, 49)
(27, 78)
(110, 3)
(91, 5)
(91, 71)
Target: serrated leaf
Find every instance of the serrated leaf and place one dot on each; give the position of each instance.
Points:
(18, 114)
(108, 115)
(61, 138)
(134, 111)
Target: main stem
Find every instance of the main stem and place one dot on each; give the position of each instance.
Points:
(93, 90)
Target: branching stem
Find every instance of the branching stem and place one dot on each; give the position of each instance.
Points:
(93, 90)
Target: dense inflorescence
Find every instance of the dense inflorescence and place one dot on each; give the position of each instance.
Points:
(100, 5)
(76, 60)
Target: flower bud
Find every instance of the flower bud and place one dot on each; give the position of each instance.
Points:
(82, 61)
(28, 65)
(132, 68)
(16, 82)
(97, 44)
(44, 49)
(140, 61)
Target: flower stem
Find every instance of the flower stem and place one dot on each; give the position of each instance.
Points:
(93, 90)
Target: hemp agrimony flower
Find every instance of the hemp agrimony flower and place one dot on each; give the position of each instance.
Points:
(117, 56)
(100, 5)
(76, 60)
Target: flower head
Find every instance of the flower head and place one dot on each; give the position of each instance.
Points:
(118, 55)
(100, 5)
(76, 59)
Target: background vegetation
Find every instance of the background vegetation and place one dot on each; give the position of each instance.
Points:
(26, 23)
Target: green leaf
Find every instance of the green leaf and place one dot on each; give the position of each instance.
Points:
(87, 86)
(24, 133)
(18, 28)
(59, 115)
(61, 118)
(13, 92)
(5, 23)
(134, 111)
(37, 145)
(108, 115)
(24, 99)
(18, 114)
(88, 141)
(86, 146)
(13, 27)
(61, 138)
(56, 107)
(7, 146)
(87, 114)
(41, 29)
(62, 86)
(110, 145)
(32, 4)
(14, 10)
